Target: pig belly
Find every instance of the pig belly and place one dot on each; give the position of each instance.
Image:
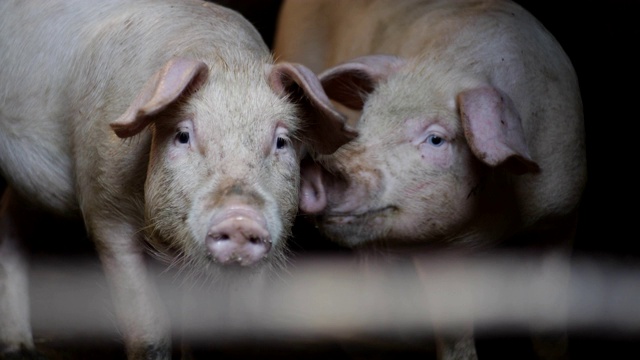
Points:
(37, 171)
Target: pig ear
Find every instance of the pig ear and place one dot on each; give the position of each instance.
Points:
(326, 130)
(350, 82)
(494, 131)
(176, 77)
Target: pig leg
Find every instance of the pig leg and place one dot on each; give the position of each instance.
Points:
(458, 345)
(456, 348)
(15, 330)
(140, 311)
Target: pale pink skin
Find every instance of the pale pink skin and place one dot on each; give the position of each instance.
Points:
(192, 153)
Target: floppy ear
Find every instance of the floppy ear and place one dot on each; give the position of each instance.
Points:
(494, 131)
(176, 77)
(349, 83)
(326, 128)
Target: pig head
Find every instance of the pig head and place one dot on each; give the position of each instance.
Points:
(234, 213)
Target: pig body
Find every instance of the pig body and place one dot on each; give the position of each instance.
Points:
(163, 125)
(470, 122)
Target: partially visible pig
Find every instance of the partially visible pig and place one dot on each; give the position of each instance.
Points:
(470, 122)
(158, 122)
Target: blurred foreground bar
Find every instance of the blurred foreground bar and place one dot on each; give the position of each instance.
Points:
(324, 297)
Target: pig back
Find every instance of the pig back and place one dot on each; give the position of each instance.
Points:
(71, 67)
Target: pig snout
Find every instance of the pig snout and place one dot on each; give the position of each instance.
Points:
(238, 236)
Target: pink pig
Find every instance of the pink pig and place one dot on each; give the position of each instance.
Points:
(470, 122)
(162, 124)
(469, 117)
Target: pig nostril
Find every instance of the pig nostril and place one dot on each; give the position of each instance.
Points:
(255, 240)
(219, 236)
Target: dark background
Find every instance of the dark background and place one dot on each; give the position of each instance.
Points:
(601, 38)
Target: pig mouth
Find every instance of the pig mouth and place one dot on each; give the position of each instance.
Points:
(340, 218)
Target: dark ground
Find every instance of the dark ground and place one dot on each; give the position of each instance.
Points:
(601, 39)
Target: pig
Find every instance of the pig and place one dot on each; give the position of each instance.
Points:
(163, 125)
(470, 122)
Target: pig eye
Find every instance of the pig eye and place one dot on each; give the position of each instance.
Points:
(183, 137)
(281, 143)
(435, 140)
(281, 140)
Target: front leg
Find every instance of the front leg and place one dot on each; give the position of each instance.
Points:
(450, 344)
(457, 347)
(141, 314)
(16, 340)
